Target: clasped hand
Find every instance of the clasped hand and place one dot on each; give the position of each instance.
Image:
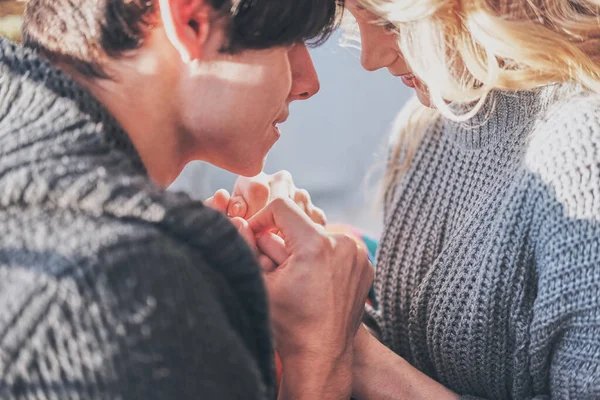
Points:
(317, 282)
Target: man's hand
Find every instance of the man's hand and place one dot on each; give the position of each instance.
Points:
(266, 263)
(316, 297)
(317, 293)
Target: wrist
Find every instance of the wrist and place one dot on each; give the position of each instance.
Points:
(312, 375)
(365, 363)
(379, 373)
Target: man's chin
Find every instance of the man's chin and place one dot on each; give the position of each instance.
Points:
(249, 170)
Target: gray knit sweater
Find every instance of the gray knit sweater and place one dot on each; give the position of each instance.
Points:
(488, 274)
(109, 287)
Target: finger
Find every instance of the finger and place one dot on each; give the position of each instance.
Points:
(245, 231)
(237, 207)
(302, 198)
(281, 185)
(285, 215)
(255, 191)
(242, 182)
(266, 264)
(317, 215)
(219, 201)
(273, 247)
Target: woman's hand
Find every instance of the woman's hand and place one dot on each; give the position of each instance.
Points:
(317, 296)
(252, 194)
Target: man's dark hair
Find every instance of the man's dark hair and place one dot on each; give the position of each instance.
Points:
(82, 33)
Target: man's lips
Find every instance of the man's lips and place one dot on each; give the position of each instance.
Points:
(281, 119)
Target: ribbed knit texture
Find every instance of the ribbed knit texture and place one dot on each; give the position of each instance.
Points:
(111, 288)
(488, 273)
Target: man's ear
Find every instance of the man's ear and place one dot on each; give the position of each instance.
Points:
(186, 24)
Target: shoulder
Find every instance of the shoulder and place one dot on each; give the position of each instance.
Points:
(116, 221)
(153, 313)
(563, 154)
(183, 245)
(563, 159)
(568, 128)
(572, 116)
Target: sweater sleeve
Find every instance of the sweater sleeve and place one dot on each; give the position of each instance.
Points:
(564, 342)
(147, 322)
(565, 332)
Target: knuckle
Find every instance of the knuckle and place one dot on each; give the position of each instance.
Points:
(327, 242)
(282, 203)
(220, 192)
(283, 175)
(258, 190)
(361, 255)
(345, 247)
(347, 243)
(321, 246)
(318, 216)
(302, 196)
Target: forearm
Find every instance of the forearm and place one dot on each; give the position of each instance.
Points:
(378, 373)
(316, 379)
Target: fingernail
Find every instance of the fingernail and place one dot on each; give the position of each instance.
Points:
(235, 210)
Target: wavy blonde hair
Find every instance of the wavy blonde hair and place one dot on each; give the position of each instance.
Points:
(464, 49)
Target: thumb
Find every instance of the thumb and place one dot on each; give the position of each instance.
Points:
(237, 207)
(284, 215)
(273, 247)
(219, 201)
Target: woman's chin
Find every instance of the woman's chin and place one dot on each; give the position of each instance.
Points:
(423, 97)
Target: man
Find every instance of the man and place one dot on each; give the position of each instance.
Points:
(112, 287)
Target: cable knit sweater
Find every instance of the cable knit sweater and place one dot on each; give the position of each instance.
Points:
(111, 288)
(488, 273)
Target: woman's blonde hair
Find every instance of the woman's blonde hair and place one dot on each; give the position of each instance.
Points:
(464, 49)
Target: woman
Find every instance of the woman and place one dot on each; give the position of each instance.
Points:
(488, 271)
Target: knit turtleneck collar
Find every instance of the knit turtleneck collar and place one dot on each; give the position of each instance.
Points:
(502, 113)
(41, 104)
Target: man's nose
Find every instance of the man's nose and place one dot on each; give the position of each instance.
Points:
(305, 81)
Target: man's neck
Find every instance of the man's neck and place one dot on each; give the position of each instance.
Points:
(147, 116)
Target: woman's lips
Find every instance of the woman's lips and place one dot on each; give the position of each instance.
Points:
(408, 80)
